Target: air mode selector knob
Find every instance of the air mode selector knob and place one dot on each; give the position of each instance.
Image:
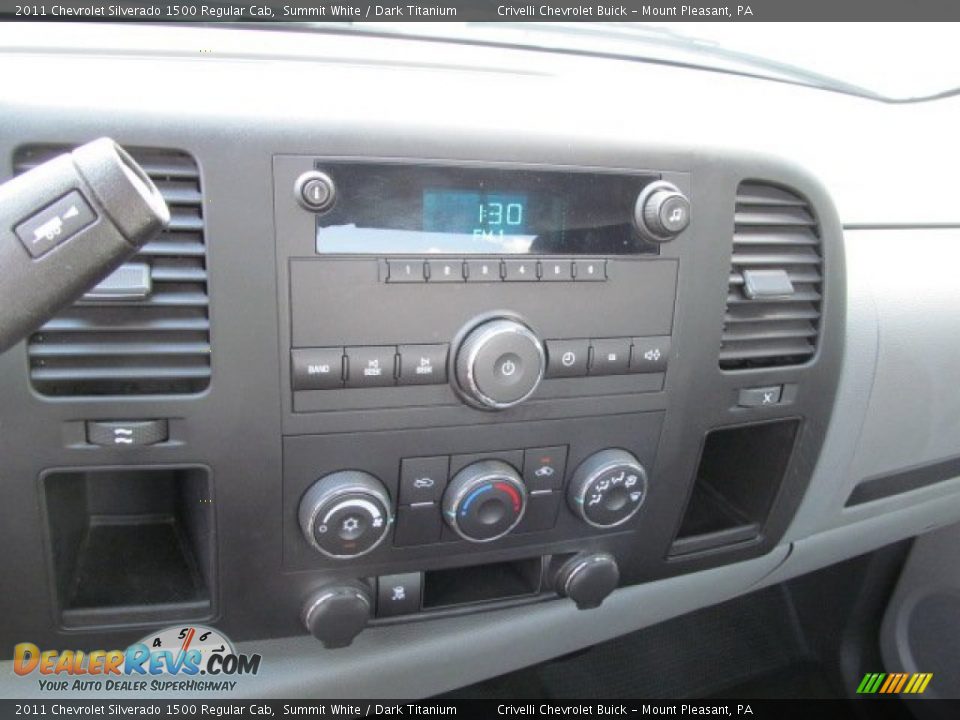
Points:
(662, 212)
(484, 501)
(499, 364)
(345, 514)
(608, 488)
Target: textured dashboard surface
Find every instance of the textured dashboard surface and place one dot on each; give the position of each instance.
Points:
(895, 405)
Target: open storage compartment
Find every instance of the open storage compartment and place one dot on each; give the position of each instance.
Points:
(481, 583)
(739, 476)
(130, 546)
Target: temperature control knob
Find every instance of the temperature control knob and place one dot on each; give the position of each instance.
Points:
(345, 514)
(587, 579)
(608, 488)
(662, 212)
(484, 501)
(499, 364)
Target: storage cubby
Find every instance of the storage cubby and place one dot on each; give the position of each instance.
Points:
(481, 583)
(740, 473)
(131, 545)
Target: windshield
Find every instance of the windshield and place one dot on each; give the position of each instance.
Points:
(887, 61)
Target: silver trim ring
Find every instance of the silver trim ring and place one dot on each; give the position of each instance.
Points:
(315, 175)
(354, 488)
(639, 208)
(580, 495)
(309, 609)
(476, 343)
(589, 560)
(491, 476)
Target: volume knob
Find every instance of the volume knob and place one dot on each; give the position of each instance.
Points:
(499, 364)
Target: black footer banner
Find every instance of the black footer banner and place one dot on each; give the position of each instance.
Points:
(871, 708)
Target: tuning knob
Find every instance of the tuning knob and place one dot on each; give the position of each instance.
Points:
(499, 364)
(608, 488)
(662, 212)
(484, 501)
(336, 614)
(345, 514)
(587, 579)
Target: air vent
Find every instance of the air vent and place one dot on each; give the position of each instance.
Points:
(149, 340)
(776, 281)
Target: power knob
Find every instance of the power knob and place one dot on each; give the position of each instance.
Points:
(608, 488)
(499, 364)
(484, 501)
(345, 514)
(662, 212)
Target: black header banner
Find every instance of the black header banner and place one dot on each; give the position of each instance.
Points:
(888, 709)
(482, 11)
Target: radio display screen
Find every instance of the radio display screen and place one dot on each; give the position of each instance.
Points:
(391, 209)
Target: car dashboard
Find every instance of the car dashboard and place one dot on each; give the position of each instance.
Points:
(450, 335)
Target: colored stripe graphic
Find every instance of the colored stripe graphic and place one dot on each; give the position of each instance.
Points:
(894, 683)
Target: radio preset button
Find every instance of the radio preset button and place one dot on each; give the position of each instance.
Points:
(483, 270)
(441, 271)
(405, 271)
(649, 354)
(316, 368)
(609, 357)
(567, 358)
(519, 270)
(370, 366)
(590, 270)
(556, 270)
(423, 364)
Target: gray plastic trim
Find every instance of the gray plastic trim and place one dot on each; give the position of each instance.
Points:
(410, 661)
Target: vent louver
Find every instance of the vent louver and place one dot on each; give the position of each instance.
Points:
(774, 294)
(158, 343)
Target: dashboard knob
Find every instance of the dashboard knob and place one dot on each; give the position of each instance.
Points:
(662, 212)
(345, 514)
(484, 501)
(500, 363)
(608, 488)
(587, 579)
(336, 614)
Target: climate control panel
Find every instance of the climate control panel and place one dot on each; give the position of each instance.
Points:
(476, 498)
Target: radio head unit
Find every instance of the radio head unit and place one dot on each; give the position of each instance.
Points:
(392, 209)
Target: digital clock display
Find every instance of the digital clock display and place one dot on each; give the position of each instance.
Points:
(494, 222)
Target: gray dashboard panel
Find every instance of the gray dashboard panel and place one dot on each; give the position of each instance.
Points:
(412, 661)
(897, 405)
(902, 293)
